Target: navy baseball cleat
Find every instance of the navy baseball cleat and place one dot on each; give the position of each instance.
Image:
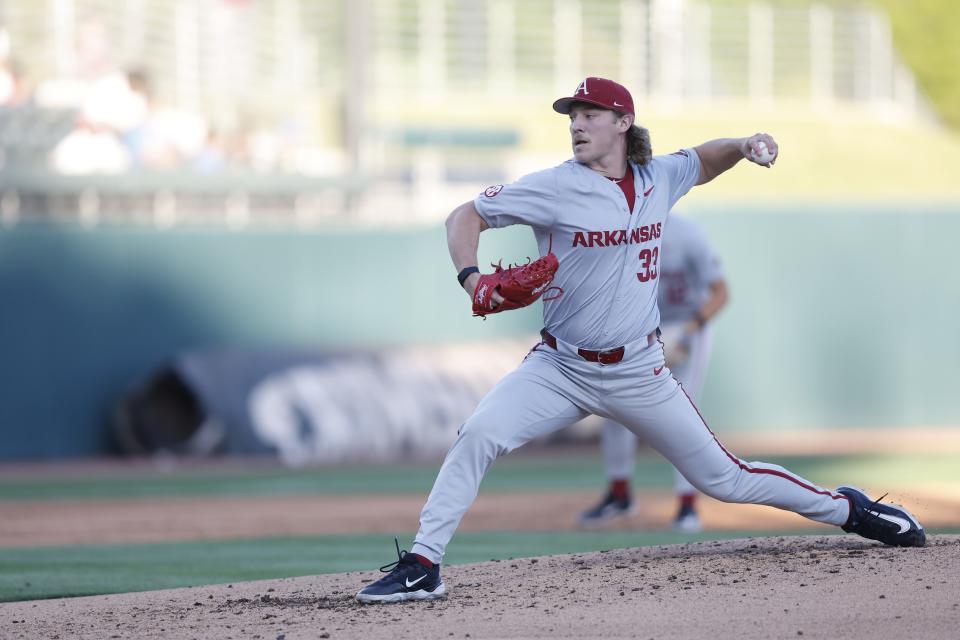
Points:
(609, 508)
(408, 579)
(888, 523)
(687, 521)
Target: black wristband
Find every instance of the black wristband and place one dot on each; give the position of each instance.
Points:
(465, 273)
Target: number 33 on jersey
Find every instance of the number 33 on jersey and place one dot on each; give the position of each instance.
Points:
(648, 262)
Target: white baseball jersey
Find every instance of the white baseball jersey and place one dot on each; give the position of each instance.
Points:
(609, 255)
(688, 266)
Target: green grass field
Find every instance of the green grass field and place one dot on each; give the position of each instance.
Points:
(515, 473)
(57, 571)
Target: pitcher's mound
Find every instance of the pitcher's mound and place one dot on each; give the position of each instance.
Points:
(784, 587)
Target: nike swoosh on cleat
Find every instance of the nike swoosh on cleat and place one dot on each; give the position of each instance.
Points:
(903, 523)
(410, 584)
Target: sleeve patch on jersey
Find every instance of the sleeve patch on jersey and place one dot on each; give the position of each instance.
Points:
(682, 152)
(492, 191)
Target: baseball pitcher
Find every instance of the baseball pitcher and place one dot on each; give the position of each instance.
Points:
(598, 219)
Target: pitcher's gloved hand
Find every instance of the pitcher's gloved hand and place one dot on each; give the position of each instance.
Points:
(519, 285)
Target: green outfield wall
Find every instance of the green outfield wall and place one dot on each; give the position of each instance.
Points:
(838, 317)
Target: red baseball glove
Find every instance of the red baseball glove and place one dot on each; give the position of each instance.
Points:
(519, 285)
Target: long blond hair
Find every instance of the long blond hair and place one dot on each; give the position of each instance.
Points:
(639, 150)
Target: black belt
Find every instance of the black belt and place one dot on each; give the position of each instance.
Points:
(608, 356)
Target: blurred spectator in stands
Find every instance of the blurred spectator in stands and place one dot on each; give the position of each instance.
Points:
(90, 148)
(108, 107)
(112, 110)
(149, 142)
(213, 156)
(113, 102)
(14, 89)
(168, 137)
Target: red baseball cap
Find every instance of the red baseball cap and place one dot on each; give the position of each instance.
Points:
(600, 92)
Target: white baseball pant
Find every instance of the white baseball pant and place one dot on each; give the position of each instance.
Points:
(619, 445)
(552, 389)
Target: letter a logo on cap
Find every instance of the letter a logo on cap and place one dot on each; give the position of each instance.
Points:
(606, 94)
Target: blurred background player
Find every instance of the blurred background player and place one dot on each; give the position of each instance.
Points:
(692, 291)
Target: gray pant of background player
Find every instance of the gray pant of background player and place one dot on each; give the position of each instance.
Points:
(552, 389)
(619, 444)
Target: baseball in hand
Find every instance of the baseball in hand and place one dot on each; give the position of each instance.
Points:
(763, 156)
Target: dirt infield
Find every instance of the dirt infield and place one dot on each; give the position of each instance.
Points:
(810, 587)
